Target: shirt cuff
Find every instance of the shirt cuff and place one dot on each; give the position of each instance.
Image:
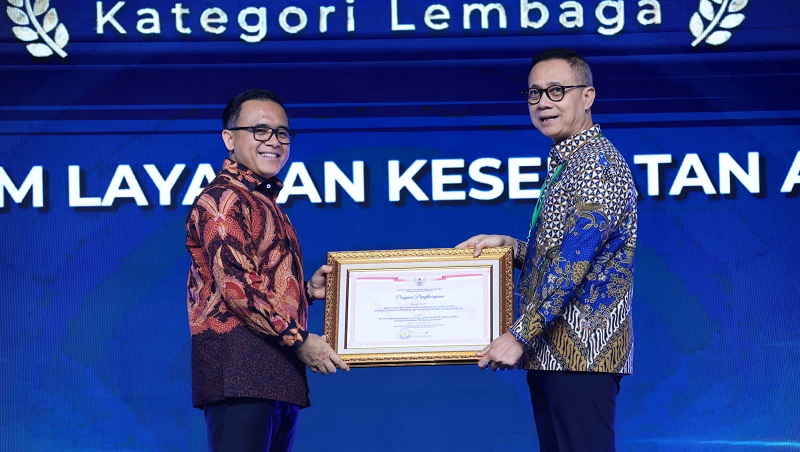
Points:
(293, 337)
(519, 338)
(298, 343)
(519, 256)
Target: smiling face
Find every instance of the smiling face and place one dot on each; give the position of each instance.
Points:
(265, 159)
(572, 114)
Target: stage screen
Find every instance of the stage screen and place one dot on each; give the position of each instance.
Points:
(412, 133)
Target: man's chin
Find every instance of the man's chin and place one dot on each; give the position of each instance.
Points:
(550, 132)
(266, 174)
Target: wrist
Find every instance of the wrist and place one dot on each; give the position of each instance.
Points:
(301, 341)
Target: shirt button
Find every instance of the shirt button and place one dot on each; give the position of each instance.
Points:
(269, 185)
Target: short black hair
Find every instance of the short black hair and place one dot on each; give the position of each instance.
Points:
(231, 113)
(575, 60)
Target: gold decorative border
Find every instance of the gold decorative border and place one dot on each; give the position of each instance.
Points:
(503, 257)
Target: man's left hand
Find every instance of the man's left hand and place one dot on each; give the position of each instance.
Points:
(316, 285)
(319, 356)
(503, 353)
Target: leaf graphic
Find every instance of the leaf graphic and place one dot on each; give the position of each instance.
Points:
(44, 19)
(39, 50)
(696, 25)
(716, 19)
(50, 21)
(40, 6)
(718, 37)
(17, 16)
(732, 21)
(62, 36)
(737, 5)
(25, 34)
(707, 9)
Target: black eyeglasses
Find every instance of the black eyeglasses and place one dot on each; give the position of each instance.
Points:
(554, 93)
(264, 133)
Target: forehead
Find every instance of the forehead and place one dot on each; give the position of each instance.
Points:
(549, 72)
(263, 112)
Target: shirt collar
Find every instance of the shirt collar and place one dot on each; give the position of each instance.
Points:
(250, 179)
(561, 151)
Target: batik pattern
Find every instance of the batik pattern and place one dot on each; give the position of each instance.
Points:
(246, 301)
(246, 261)
(576, 283)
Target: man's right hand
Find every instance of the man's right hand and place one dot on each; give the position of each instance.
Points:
(481, 241)
(319, 356)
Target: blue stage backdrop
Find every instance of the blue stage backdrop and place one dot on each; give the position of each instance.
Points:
(412, 134)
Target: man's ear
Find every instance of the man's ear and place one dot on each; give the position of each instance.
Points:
(227, 138)
(588, 97)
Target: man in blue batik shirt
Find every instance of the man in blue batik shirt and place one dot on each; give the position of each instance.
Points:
(575, 331)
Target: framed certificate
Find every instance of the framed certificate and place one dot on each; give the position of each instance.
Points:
(417, 307)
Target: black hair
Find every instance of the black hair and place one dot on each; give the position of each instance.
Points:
(575, 60)
(231, 113)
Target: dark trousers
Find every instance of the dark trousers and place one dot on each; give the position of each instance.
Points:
(250, 425)
(574, 411)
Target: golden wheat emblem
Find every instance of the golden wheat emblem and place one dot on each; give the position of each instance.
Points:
(709, 17)
(35, 22)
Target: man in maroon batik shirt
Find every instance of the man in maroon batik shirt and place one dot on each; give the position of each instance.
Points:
(247, 301)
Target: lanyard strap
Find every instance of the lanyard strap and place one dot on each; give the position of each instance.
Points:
(543, 194)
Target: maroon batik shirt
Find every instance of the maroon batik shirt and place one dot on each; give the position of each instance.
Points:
(247, 307)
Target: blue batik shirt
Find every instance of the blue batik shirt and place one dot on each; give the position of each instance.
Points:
(575, 288)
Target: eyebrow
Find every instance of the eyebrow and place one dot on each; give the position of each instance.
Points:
(550, 83)
(267, 125)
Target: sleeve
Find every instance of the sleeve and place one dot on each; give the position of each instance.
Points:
(519, 255)
(592, 212)
(251, 279)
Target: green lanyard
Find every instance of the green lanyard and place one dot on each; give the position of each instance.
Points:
(545, 189)
(549, 182)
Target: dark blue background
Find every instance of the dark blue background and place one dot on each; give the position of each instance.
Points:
(94, 339)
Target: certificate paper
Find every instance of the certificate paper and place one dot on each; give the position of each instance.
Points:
(419, 307)
(428, 306)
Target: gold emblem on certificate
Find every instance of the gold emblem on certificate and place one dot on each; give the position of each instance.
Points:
(415, 307)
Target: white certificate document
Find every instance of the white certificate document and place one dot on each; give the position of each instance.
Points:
(418, 307)
(425, 306)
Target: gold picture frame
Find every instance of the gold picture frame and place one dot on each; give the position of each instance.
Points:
(417, 306)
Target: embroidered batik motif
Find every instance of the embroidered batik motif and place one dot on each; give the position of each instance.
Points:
(246, 261)
(575, 287)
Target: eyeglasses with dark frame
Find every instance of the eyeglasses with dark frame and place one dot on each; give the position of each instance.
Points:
(264, 133)
(555, 93)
